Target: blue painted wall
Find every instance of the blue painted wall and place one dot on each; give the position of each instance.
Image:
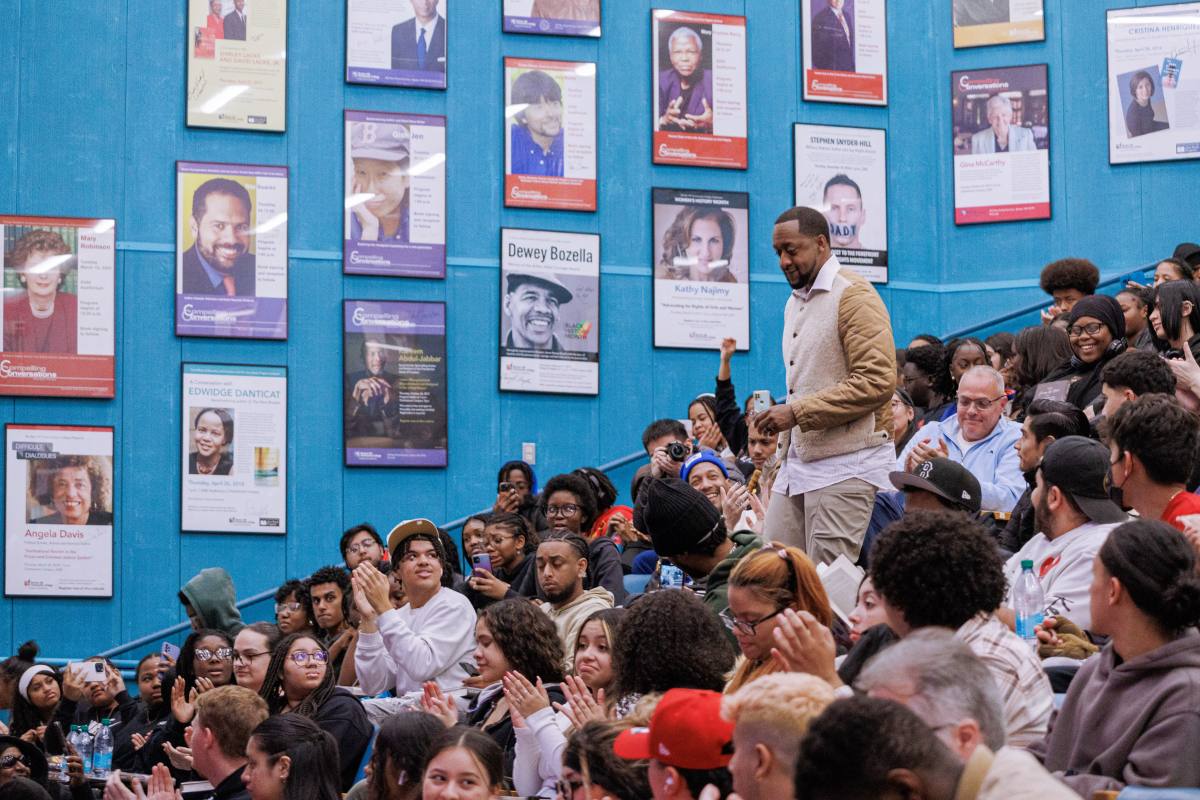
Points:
(91, 122)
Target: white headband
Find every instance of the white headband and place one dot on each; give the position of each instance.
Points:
(27, 678)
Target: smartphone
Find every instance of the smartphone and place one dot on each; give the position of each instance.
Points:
(670, 577)
(762, 400)
(481, 561)
(92, 671)
(170, 651)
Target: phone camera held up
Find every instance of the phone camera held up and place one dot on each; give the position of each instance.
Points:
(678, 451)
(505, 487)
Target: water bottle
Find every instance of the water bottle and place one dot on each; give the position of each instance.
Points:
(102, 752)
(1030, 603)
(82, 740)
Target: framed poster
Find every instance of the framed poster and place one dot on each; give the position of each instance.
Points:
(983, 22)
(58, 523)
(395, 209)
(701, 268)
(58, 311)
(549, 312)
(231, 250)
(1153, 83)
(845, 51)
(234, 449)
(1001, 144)
(843, 173)
(699, 63)
(397, 42)
(237, 64)
(394, 383)
(553, 17)
(550, 134)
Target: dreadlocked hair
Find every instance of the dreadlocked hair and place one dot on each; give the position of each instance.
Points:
(272, 689)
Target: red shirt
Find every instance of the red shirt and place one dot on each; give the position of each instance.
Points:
(1181, 505)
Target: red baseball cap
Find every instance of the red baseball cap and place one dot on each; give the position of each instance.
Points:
(686, 732)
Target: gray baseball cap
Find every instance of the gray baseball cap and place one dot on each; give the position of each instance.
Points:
(378, 140)
(547, 279)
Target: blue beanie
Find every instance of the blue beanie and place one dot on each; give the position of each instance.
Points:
(700, 458)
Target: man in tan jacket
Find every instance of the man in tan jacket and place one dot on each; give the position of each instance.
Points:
(840, 359)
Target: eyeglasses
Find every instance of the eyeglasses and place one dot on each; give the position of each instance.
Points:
(568, 510)
(8, 762)
(247, 657)
(220, 654)
(361, 547)
(282, 607)
(497, 541)
(1091, 329)
(981, 403)
(744, 627)
(301, 657)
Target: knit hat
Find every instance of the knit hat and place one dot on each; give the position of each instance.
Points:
(703, 457)
(1101, 307)
(678, 518)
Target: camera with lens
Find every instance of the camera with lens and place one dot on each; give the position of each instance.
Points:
(678, 451)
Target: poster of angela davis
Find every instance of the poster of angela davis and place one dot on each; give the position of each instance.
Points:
(59, 504)
(394, 383)
(549, 311)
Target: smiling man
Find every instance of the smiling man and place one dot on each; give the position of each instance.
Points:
(979, 437)
(532, 304)
(840, 360)
(220, 262)
(537, 129)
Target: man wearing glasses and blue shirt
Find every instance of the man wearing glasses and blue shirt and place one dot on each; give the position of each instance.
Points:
(979, 437)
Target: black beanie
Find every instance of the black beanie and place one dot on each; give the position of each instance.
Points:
(1101, 307)
(678, 518)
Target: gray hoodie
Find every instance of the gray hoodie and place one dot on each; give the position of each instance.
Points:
(1129, 723)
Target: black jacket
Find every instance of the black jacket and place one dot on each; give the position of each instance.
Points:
(343, 717)
(730, 418)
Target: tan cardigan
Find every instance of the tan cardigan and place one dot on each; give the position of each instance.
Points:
(841, 368)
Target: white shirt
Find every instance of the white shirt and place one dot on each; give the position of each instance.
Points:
(430, 643)
(428, 28)
(1064, 567)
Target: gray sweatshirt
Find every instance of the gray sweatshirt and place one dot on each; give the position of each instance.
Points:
(1129, 723)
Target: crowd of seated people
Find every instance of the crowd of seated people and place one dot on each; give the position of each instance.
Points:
(568, 645)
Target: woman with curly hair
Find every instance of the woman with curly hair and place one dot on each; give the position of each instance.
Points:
(762, 586)
(299, 681)
(78, 488)
(939, 568)
(698, 246)
(513, 636)
(44, 317)
(401, 752)
(667, 640)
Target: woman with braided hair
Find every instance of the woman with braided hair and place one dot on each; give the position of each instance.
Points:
(299, 681)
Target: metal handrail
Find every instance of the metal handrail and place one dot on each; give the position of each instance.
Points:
(159, 635)
(1020, 312)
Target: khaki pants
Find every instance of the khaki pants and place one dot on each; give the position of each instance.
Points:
(824, 523)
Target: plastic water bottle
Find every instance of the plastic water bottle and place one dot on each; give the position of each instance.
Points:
(103, 751)
(81, 740)
(1030, 602)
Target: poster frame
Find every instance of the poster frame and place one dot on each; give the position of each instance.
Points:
(597, 35)
(8, 561)
(342, 377)
(283, 455)
(887, 199)
(50, 221)
(806, 35)
(599, 297)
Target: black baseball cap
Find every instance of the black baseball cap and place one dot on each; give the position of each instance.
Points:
(947, 479)
(1079, 466)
